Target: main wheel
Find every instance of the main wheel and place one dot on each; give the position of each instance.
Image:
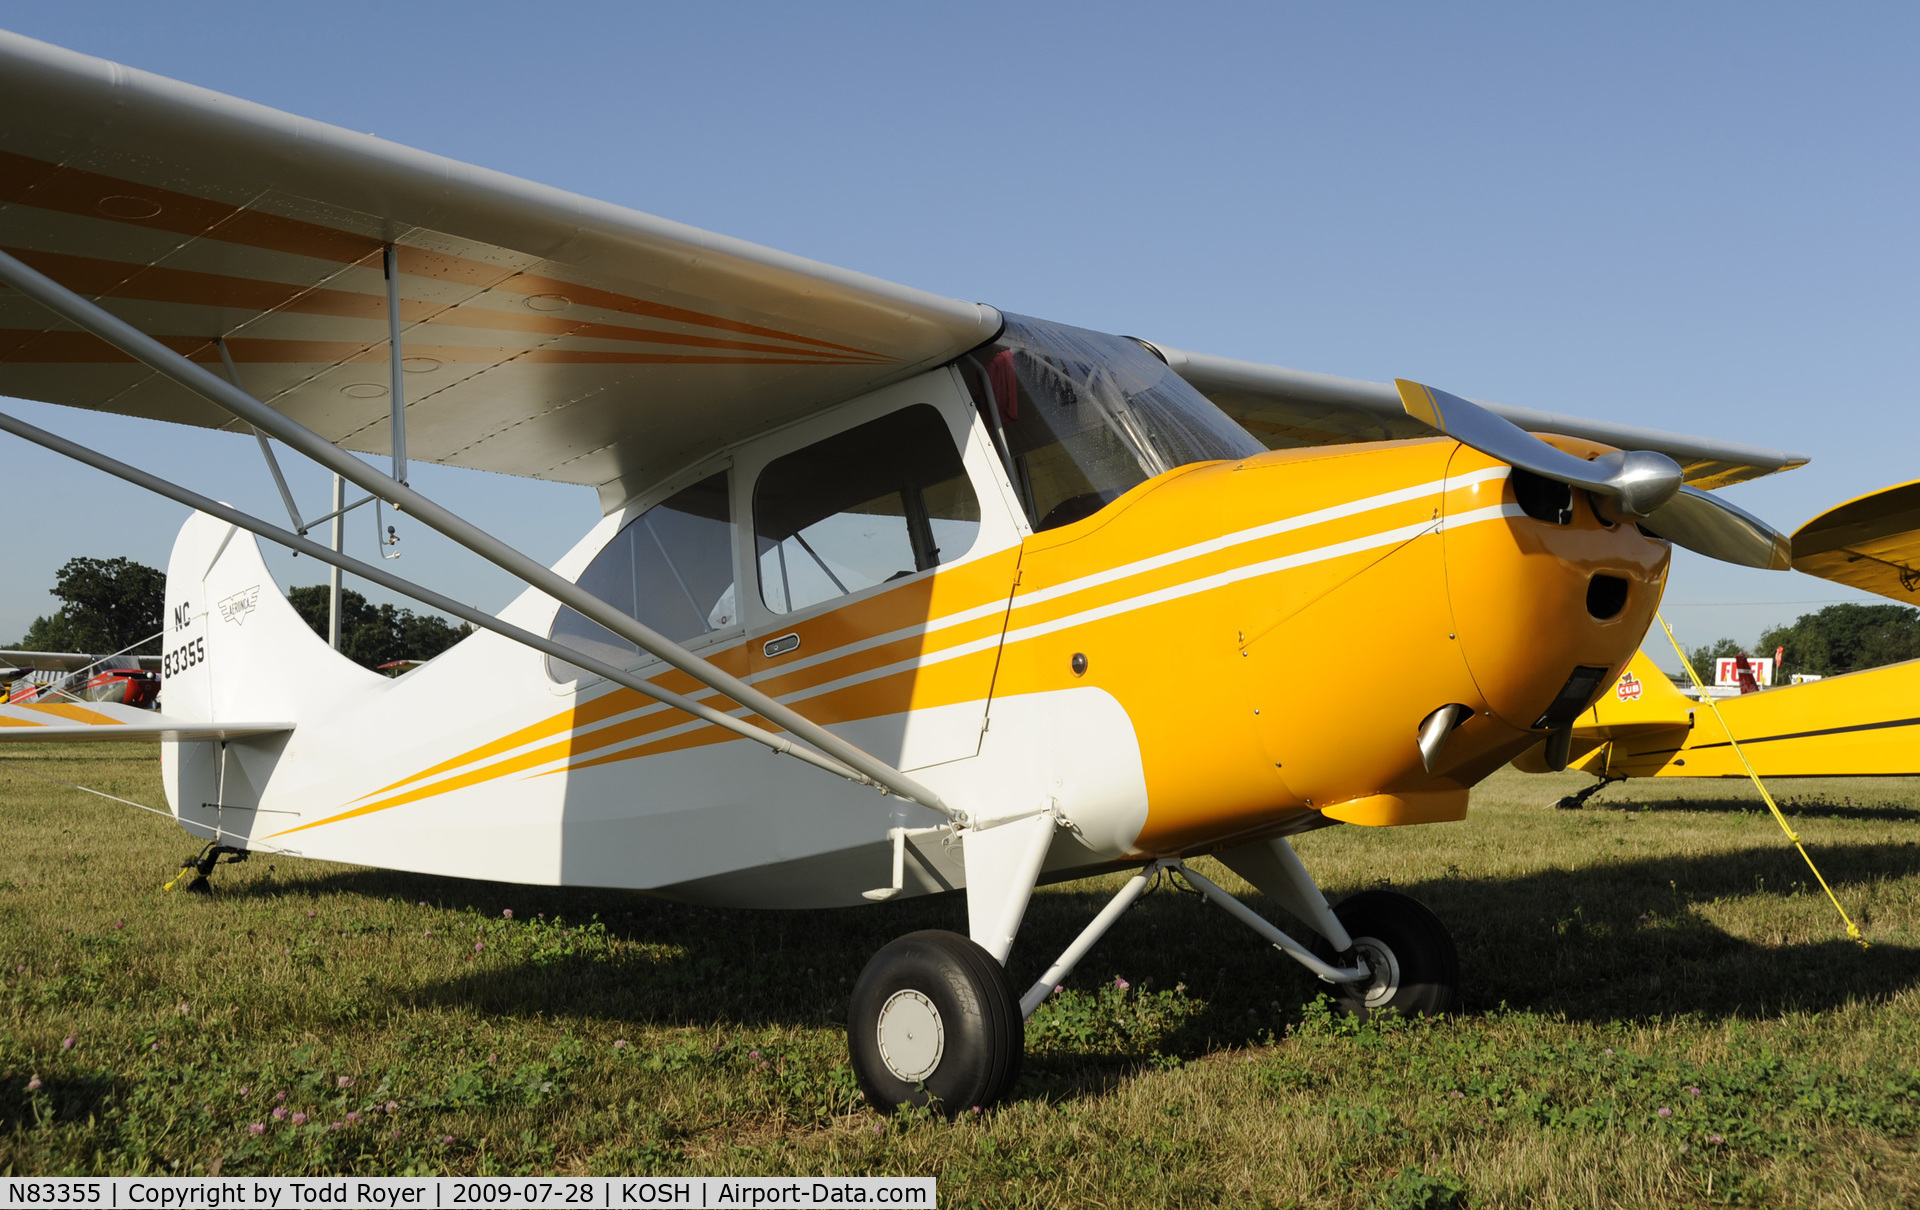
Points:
(934, 1021)
(1415, 969)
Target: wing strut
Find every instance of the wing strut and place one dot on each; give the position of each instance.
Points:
(395, 369)
(150, 352)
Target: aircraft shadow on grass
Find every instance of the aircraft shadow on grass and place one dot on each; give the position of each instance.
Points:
(1818, 807)
(1620, 941)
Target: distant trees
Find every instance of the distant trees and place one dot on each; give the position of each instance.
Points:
(1839, 638)
(371, 636)
(1847, 638)
(105, 605)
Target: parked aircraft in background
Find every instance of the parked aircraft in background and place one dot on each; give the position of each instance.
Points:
(63, 676)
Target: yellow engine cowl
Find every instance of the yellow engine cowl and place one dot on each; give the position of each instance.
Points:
(1278, 629)
(1551, 605)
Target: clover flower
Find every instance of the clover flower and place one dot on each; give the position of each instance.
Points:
(257, 1128)
(299, 1119)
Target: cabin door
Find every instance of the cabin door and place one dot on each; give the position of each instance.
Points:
(878, 584)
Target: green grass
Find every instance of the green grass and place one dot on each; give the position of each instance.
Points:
(1665, 939)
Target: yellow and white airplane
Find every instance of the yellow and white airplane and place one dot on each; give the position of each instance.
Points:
(1020, 599)
(1860, 724)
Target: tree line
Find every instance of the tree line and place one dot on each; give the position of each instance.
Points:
(109, 605)
(1839, 638)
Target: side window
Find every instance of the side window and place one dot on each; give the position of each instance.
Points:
(671, 568)
(869, 505)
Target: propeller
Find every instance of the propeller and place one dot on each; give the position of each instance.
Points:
(1643, 485)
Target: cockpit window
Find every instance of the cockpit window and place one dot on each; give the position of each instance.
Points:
(875, 503)
(1080, 417)
(671, 568)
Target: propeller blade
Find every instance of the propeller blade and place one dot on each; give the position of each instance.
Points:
(1637, 481)
(1707, 525)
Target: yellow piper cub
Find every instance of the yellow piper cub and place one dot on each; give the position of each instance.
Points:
(1021, 601)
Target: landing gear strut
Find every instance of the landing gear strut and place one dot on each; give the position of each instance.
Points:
(201, 864)
(934, 1021)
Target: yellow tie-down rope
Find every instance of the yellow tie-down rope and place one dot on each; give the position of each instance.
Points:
(1853, 930)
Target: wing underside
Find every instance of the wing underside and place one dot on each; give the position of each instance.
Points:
(544, 334)
(1870, 543)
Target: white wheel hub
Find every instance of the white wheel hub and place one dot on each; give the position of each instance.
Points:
(1384, 977)
(911, 1036)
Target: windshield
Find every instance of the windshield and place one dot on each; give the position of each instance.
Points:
(1080, 417)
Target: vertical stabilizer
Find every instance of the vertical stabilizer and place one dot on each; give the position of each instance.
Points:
(235, 649)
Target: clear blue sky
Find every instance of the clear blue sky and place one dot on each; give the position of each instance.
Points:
(1694, 217)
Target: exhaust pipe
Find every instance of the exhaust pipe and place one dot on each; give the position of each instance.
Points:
(1436, 727)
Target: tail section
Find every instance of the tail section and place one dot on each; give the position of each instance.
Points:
(234, 647)
(235, 650)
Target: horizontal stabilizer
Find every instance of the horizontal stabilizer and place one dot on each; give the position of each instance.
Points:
(106, 722)
(1870, 543)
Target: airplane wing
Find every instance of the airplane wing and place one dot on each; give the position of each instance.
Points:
(546, 334)
(105, 722)
(1287, 408)
(1872, 543)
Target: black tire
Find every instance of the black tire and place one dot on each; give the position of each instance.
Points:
(1416, 968)
(943, 980)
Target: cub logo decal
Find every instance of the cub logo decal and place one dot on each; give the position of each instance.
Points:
(1628, 688)
(236, 607)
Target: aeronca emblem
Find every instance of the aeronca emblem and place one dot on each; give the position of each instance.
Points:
(1628, 688)
(236, 607)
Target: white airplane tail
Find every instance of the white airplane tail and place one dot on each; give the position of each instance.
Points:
(235, 651)
(234, 647)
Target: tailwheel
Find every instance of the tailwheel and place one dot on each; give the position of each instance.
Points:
(933, 1021)
(1415, 969)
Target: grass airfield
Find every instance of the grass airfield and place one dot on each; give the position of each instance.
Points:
(1661, 1008)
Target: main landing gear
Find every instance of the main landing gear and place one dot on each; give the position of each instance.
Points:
(1412, 967)
(934, 1021)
